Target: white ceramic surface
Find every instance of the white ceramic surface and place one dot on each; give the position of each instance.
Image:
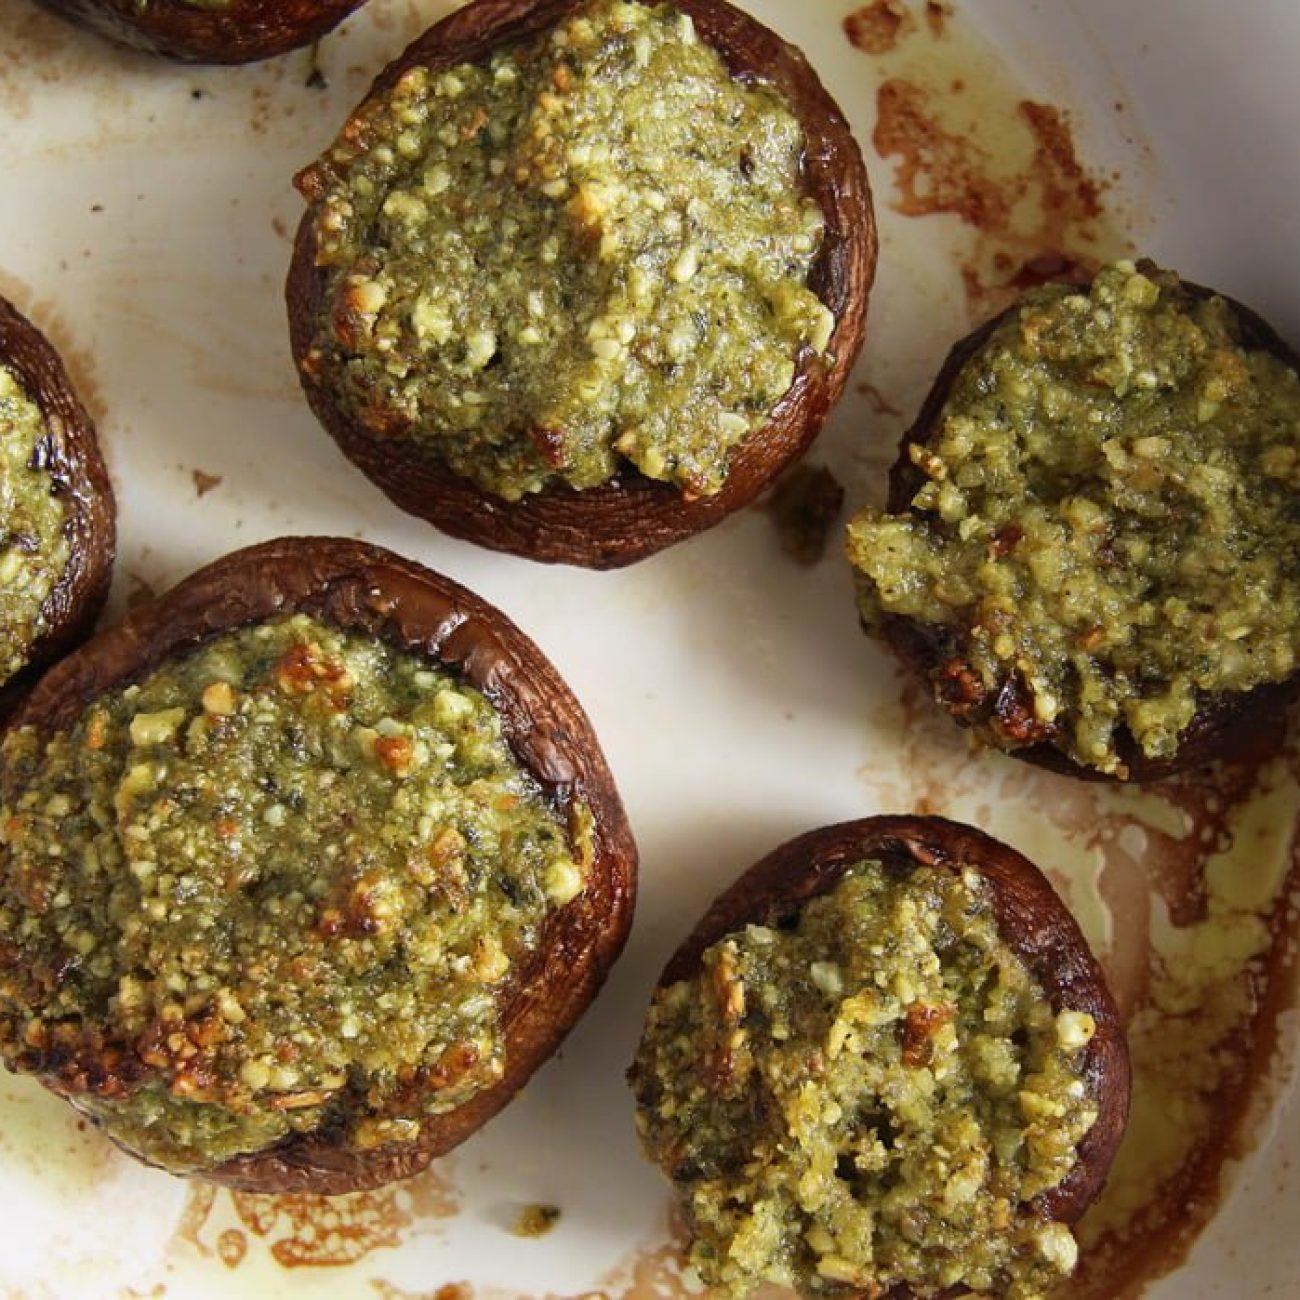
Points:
(145, 222)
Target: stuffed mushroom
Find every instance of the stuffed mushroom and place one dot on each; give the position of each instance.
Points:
(884, 1064)
(580, 277)
(305, 868)
(1091, 548)
(56, 553)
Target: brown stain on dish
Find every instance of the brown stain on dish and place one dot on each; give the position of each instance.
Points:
(1034, 224)
(232, 1246)
(204, 482)
(433, 1194)
(39, 52)
(28, 33)
(937, 14)
(220, 359)
(140, 592)
(1205, 1042)
(657, 1273)
(1070, 193)
(264, 110)
(652, 1272)
(965, 141)
(880, 404)
(303, 1231)
(449, 1291)
(936, 170)
(804, 507)
(1236, 1070)
(323, 1231)
(877, 28)
(199, 1200)
(46, 314)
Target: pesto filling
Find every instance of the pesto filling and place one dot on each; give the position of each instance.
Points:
(280, 884)
(1110, 520)
(869, 1099)
(34, 553)
(588, 250)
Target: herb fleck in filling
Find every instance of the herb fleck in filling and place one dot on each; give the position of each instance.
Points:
(871, 1098)
(1109, 525)
(34, 552)
(278, 885)
(589, 249)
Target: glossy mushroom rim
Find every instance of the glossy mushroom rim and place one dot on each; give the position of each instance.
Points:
(69, 453)
(1030, 918)
(354, 586)
(238, 31)
(1225, 726)
(631, 516)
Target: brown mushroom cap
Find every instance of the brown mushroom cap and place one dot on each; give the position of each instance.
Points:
(1224, 725)
(359, 587)
(631, 516)
(1030, 917)
(70, 454)
(241, 31)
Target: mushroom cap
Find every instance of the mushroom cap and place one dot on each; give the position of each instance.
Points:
(240, 31)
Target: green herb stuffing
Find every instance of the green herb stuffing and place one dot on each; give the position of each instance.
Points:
(589, 249)
(1110, 519)
(34, 552)
(280, 884)
(871, 1098)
